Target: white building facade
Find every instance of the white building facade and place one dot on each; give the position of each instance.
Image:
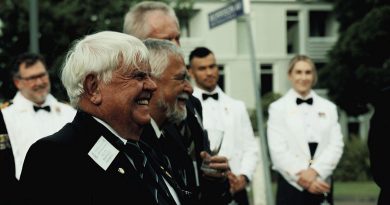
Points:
(280, 29)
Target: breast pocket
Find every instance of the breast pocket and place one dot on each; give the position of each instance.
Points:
(323, 123)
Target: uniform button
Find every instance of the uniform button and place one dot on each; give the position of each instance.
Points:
(311, 162)
(121, 170)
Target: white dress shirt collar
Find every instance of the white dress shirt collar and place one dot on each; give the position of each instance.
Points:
(110, 129)
(22, 102)
(156, 128)
(295, 94)
(199, 91)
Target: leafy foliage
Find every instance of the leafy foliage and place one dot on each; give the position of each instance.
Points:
(354, 164)
(349, 12)
(60, 23)
(359, 62)
(266, 100)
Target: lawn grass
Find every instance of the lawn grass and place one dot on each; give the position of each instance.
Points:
(356, 190)
(366, 190)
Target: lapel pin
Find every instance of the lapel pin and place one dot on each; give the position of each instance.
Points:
(166, 172)
(58, 109)
(321, 114)
(121, 170)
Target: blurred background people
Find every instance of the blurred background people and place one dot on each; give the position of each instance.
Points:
(230, 115)
(304, 139)
(33, 114)
(152, 19)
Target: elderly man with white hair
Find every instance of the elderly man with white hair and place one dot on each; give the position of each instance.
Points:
(99, 158)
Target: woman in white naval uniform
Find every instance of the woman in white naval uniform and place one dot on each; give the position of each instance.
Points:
(304, 139)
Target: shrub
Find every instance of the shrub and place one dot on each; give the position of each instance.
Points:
(266, 100)
(354, 164)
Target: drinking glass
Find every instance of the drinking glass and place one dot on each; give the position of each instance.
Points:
(215, 137)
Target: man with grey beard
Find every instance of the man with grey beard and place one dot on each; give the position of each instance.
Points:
(167, 108)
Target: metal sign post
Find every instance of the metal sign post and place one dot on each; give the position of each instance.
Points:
(259, 114)
(33, 21)
(225, 14)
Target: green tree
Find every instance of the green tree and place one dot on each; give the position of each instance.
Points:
(60, 23)
(350, 11)
(359, 63)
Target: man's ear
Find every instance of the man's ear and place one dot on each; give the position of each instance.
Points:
(191, 71)
(17, 83)
(91, 88)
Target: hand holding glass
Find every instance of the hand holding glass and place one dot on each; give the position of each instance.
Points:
(215, 138)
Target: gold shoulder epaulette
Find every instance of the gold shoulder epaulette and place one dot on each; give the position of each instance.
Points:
(5, 104)
(4, 142)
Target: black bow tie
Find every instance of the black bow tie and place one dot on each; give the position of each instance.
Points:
(308, 101)
(214, 96)
(47, 108)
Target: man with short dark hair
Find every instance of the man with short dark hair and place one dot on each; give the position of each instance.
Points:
(229, 115)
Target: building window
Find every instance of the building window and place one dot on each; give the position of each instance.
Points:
(266, 75)
(221, 80)
(292, 25)
(321, 24)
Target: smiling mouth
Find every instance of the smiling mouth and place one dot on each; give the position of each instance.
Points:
(143, 102)
(183, 97)
(144, 99)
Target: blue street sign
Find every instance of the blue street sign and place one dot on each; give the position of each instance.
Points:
(225, 14)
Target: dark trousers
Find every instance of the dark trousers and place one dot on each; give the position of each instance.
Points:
(241, 197)
(289, 195)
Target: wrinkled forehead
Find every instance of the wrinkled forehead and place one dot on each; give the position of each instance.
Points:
(138, 62)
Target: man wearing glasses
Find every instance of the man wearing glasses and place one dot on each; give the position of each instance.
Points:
(33, 114)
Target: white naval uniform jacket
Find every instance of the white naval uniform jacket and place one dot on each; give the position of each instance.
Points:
(239, 144)
(289, 148)
(25, 126)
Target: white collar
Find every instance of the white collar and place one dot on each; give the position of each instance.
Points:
(295, 94)
(110, 129)
(23, 103)
(199, 91)
(156, 128)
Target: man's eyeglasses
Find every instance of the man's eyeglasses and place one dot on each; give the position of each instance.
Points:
(34, 77)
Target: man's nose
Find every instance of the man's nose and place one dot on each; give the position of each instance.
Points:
(188, 87)
(150, 84)
(209, 71)
(176, 42)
